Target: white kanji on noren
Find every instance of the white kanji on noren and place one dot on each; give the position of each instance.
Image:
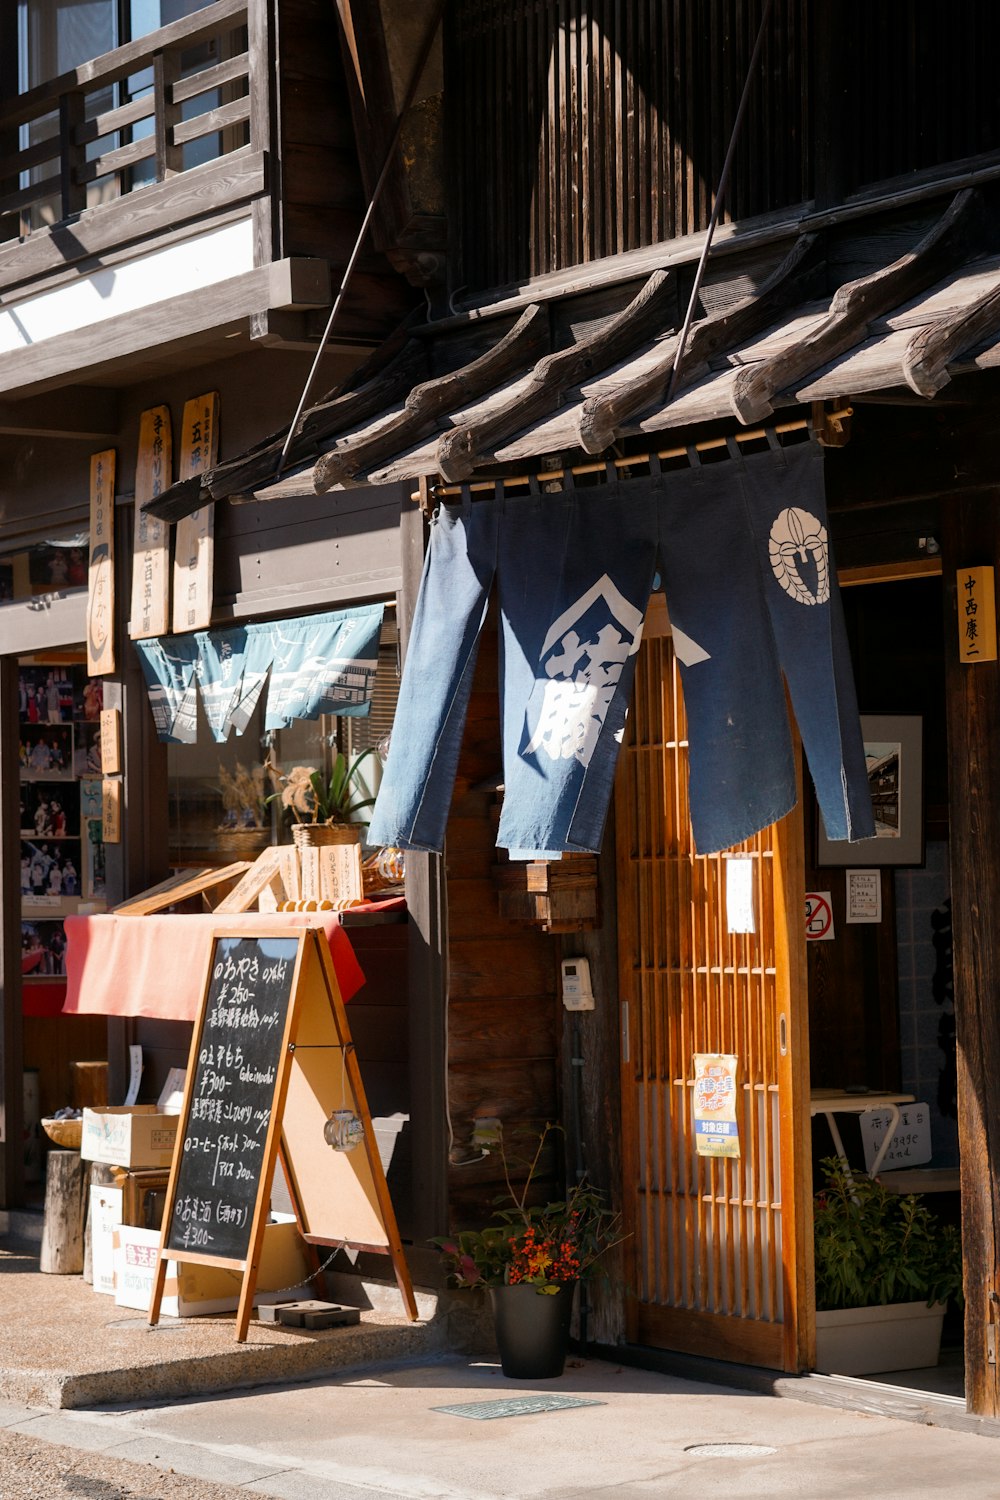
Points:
(582, 659)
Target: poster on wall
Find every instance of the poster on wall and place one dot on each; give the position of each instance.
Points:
(715, 1129)
(894, 758)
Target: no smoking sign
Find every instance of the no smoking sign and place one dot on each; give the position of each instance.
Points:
(819, 916)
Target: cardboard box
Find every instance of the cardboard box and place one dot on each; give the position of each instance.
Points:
(131, 1135)
(105, 1218)
(192, 1291)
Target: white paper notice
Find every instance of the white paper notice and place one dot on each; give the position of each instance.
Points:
(864, 896)
(134, 1073)
(911, 1139)
(739, 895)
(172, 1093)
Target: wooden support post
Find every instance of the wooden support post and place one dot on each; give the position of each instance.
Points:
(971, 536)
(71, 156)
(11, 1049)
(66, 1182)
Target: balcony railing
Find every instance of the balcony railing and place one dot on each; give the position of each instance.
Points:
(139, 115)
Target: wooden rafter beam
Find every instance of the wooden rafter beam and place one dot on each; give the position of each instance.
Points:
(321, 423)
(459, 450)
(519, 348)
(857, 304)
(931, 350)
(601, 417)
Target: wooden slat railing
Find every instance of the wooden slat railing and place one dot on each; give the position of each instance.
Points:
(64, 167)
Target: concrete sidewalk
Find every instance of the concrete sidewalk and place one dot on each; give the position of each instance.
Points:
(378, 1435)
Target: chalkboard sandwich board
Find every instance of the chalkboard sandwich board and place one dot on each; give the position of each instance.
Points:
(270, 1042)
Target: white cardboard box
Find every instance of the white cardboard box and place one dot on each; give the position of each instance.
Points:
(105, 1218)
(134, 1135)
(192, 1291)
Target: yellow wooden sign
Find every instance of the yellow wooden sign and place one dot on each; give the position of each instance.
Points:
(111, 810)
(341, 878)
(101, 576)
(151, 554)
(977, 615)
(194, 546)
(111, 741)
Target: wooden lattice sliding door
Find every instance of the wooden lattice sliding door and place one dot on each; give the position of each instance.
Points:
(720, 1260)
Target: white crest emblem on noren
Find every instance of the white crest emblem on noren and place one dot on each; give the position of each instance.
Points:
(797, 536)
(583, 674)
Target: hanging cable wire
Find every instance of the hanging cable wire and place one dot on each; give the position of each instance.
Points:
(720, 198)
(415, 77)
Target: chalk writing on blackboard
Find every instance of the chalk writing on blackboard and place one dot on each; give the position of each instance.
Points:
(224, 1133)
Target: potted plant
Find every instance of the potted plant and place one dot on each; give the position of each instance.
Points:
(529, 1260)
(246, 823)
(885, 1270)
(323, 804)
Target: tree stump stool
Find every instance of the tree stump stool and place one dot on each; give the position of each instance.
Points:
(66, 1180)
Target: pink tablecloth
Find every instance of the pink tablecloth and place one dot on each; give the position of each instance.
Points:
(157, 966)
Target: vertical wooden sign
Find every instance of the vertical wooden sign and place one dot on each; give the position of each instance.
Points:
(101, 577)
(194, 547)
(111, 741)
(977, 615)
(151, 552)
(111, 811)
(341, 876)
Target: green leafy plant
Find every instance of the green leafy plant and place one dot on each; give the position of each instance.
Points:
(313, 796)
(874, 1246)
(544, 1246)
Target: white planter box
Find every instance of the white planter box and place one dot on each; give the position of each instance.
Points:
(869, 1340)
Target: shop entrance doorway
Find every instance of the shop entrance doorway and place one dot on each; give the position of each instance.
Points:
(720, 1248)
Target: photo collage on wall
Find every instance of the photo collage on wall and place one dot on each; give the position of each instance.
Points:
(62, 853)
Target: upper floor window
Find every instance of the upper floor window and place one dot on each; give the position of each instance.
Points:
(83, 145)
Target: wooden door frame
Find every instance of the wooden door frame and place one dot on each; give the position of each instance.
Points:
(795, 1130)
(793, 1349)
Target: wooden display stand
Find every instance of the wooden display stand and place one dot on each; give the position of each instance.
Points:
(271, 1058)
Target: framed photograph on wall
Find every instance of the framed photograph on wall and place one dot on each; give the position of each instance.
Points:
(894, 754)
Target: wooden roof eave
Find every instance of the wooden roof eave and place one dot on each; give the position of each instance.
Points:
(459, 450)
(602, 417)
(427, 402)
(931, 350)
(857, 304)
(948, 322)
(321, 423)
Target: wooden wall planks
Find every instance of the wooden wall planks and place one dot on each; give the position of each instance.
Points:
(504, 1019)
(588, 129)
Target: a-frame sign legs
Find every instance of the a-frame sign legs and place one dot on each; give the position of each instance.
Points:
(386, 1211)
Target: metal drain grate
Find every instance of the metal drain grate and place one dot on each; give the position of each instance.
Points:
(730, 1450)
(514, 1406)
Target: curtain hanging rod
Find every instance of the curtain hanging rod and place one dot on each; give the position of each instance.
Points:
(431, 492)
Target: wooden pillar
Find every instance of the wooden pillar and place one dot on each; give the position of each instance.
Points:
(427, 900)
(11, 1058)
(591, 1091)
(970, 537)
(140, 860)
